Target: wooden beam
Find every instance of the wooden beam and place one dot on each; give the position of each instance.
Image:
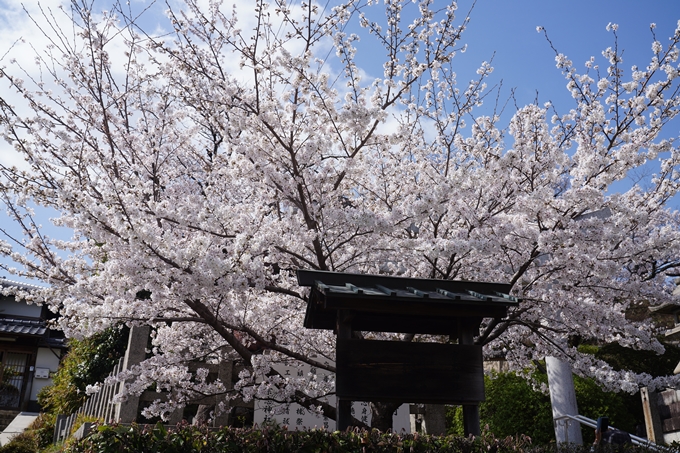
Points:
(471, 424)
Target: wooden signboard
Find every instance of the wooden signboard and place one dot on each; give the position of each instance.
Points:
(409, 372)
(401, 371)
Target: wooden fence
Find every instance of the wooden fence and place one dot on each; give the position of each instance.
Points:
(100, 405)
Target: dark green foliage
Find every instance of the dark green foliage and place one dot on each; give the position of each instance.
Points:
(624, 410)
(513, 407)
(22, 443)
(88, 361)
(621, 358)
(188, 439)
(42, 430)
(37, 437)
(101, 353)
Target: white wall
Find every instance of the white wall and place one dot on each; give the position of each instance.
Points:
(45, 359)
(9, 308)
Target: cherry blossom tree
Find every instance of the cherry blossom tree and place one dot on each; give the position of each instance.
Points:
(199, 168)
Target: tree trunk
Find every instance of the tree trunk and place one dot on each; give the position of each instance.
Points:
(381, 415)
(203, 414)
(435, 419)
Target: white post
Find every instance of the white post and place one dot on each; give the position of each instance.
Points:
(563, 400)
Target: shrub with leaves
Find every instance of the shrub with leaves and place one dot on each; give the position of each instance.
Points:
(514, 407)
(187, 439)
(621, 358)
(22, 443)
(88, 361)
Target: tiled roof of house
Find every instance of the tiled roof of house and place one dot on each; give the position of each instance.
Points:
(27, 327)
(22, 327)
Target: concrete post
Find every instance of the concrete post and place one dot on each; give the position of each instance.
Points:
(176, 416)
(126, 412)
(563, 400)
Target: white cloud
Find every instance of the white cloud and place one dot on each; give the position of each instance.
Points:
(19, 40)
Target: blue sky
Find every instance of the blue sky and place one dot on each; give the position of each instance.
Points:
(523, 59)
(577, 28)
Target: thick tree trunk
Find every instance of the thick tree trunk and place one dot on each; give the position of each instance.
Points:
(435, 419)
(203, 414)
(381, 415)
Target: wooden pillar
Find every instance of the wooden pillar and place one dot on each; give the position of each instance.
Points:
(27, 385)
(471, 424)
(471, 419)
(650, 408)
(344, 414)
(343, 407)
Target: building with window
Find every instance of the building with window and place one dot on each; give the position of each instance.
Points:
(29, 350)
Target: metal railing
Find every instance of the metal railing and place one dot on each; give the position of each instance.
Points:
(641, 441)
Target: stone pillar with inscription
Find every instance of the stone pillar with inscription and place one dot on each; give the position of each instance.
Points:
(126, 411)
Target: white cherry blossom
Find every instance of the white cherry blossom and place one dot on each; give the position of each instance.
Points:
(200, 169)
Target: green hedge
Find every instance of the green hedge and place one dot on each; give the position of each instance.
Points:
(273, 439)
(188, 439)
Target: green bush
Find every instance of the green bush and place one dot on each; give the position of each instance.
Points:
(639, 361)
(37, 437)
(42, 430)
(88, 361)
(513, 407)
(624, 410)
(21, 443)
